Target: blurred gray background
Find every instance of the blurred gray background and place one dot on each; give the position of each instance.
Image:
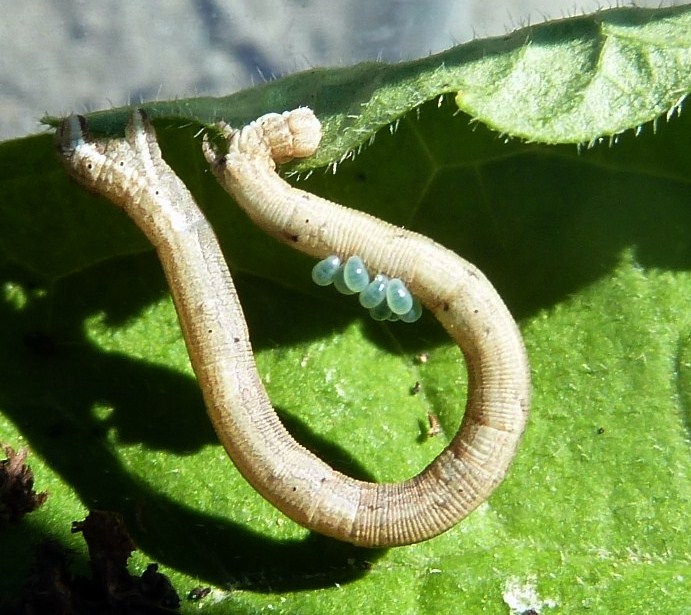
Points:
(59, 56)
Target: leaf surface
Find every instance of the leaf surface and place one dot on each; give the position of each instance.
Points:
(590, 248)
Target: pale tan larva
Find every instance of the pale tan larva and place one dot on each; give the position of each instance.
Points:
(434, 425)
(132, 173)
(455, 291)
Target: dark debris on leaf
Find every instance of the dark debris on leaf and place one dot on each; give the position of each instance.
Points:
(53, 590)
(17, 495)
(198, 593)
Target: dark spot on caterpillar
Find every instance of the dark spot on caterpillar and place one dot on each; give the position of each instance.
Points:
(89, 166)
(294, 238)
(294, 489)
(209, 330)
(236, 339)
(446, 306)
(475, 311)
(122, 164)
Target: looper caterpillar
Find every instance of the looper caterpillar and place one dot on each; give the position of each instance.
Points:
(131, 173)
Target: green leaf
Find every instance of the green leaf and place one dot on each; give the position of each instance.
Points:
(590, 248)
(569, 81)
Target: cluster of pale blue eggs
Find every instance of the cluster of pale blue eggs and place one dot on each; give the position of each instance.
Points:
(386, 299)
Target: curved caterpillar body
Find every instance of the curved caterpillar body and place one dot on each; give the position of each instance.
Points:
(455, 291)
(385, 299)
(132, 174)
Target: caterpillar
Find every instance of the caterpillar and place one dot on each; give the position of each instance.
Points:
(132, 174)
